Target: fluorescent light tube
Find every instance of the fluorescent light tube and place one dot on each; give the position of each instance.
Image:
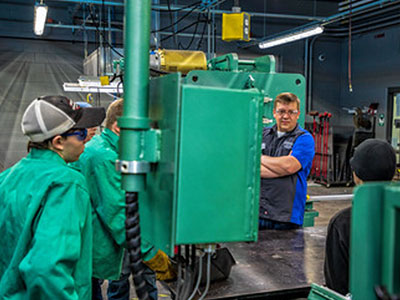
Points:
(40, 18)
(294, 36)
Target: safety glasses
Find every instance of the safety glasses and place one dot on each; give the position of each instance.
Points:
(283, 112)
(81, 134)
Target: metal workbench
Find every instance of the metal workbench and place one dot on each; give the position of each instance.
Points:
(281, 265)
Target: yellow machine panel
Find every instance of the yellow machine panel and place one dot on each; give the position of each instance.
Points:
(182, 61)
(236, 27)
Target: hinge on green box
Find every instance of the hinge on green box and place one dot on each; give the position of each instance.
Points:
(151, 146)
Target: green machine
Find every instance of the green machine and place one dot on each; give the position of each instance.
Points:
(205, 186)
(375, 246)
(190, 148)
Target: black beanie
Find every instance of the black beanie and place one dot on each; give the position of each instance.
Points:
(374, 160)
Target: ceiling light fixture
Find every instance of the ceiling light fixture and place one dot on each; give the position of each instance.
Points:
(40, 17)
(291, 37)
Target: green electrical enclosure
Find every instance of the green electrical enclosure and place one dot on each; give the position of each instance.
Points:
(205, 186)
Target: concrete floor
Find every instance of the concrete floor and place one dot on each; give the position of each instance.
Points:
(326, 210)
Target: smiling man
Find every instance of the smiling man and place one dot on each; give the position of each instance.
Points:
(287, 154)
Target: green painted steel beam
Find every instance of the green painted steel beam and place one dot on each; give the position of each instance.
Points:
(136, 88)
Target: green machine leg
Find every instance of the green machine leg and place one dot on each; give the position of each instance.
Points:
(309, 214)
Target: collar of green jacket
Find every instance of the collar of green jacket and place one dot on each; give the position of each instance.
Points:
(111, 138)
(45, 154)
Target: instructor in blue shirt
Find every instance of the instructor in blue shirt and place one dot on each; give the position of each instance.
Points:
(287, 154)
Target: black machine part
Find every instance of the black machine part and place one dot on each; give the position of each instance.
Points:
(133, 241)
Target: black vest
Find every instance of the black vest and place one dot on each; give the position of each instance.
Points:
(277, 194)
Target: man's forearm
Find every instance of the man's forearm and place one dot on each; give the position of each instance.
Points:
(267, 173)
(278, 166)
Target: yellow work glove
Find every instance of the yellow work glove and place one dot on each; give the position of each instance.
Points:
(161, 264)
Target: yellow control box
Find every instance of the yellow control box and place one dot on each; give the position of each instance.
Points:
(236, 27)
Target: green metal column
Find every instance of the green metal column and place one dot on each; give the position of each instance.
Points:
(136, 91)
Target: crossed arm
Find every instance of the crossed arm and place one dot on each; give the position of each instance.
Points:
(273, 167)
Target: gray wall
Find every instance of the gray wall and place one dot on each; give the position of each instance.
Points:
(375, 68)
(29, 69)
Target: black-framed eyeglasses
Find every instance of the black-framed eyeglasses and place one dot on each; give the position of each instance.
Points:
(81, 134)
(283, 112)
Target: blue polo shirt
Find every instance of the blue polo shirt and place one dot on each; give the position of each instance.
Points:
(303, 150)
(283, 199)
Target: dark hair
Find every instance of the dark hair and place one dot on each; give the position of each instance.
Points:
(45, 145)
(39, 145)
(287, 98)
(114, 111)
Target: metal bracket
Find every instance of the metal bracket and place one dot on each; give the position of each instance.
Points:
(132, 167)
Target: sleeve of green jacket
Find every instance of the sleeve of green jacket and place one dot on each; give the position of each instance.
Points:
(49, 267)
(108, 198)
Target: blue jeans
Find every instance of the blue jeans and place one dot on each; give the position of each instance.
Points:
(119, 289)
(270, 224)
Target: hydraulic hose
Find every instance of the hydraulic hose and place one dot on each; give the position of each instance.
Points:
(133, 241)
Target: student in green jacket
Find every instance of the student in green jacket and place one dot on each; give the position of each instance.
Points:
(45, 221)
(97, 163)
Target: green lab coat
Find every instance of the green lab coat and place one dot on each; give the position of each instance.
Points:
(45, 230)
(97, 163)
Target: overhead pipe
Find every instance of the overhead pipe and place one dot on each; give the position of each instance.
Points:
(335, 18)
(91, 28)
(306, 49)
(355, 11)
(310, 74)
(371, 24)
(252, 14)
(388, 24)
(174, 7)
(373, 13)
(82, 27)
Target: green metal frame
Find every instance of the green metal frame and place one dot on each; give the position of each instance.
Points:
(270, 84)
(231, 62)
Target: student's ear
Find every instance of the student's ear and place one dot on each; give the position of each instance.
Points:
(58, 143)
(115, 128)
(356, 179)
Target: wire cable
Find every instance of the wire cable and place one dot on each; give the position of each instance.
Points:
(180, 30)
(193, 36)
(202, 34)
(177, 9)
(179, 279)
(177, 21)
(171, 19)
(99, 32)
(196, 287)
(208, 276)
(349, 52)
(188, 284)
